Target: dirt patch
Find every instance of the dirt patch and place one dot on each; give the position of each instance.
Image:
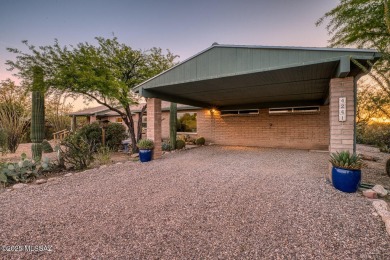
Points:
(375, 172)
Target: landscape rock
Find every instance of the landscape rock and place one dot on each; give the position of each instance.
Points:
(370, 194)
(380, 190)
(19, 186)
(103, 166)
(134, 155)
(40, 181)
(52, 179)
(68, 174)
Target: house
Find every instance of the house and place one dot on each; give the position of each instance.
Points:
(292, 97)
(101, 113)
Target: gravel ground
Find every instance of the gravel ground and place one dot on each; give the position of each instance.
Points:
(209, 202)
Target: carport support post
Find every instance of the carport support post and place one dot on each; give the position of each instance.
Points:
(154, 125)
(341, 132)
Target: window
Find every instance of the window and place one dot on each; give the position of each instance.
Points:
(294, 110)
(186, 122)
(119, 120)
(240, 112)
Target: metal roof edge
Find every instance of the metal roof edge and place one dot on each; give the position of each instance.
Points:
(375, 52)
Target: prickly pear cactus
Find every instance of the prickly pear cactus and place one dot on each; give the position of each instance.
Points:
(37, 114)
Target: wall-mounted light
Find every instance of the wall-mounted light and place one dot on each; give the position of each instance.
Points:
(213, 110)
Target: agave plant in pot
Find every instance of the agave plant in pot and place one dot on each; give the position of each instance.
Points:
(346, 171)
(145, 147)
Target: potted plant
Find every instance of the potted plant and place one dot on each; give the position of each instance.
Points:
(346, 171)
(145, 147)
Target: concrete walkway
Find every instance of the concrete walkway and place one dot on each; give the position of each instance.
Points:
(209, 202)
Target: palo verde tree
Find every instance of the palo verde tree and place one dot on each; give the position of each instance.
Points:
(365, 24)
(105, 73)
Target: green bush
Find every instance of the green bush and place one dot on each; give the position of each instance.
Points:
(180, 144)
(92, 133)
(115, 134)
(46, 147)
(200, 141)
(77, 151)
(377, 134)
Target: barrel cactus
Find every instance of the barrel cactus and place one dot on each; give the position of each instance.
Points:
(180, 144)
(46, 147)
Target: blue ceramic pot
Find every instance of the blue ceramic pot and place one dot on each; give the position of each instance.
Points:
(346, 180)
(145, 155)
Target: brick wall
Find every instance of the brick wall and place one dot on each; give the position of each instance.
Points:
(303, 131)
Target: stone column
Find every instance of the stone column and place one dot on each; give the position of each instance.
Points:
(154, 125)
(341, 132)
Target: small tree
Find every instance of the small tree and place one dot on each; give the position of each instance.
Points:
(105, 73)
(365, 24)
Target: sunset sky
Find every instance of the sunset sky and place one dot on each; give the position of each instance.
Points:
(184, 27)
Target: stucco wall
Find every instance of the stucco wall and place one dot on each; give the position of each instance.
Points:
(302, 131)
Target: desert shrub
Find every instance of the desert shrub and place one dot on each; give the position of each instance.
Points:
(23, 171)
(166, 146)
(46, 147)
(103, 155)
(200, 141)
(92, 133)
(377, 134)
(3, 142)
(77, 151)
(180, 144)
(115, 133)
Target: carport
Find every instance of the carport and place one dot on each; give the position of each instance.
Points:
(233, 78)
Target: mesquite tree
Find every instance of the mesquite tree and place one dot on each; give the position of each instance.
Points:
(105, 73)
(37, 114)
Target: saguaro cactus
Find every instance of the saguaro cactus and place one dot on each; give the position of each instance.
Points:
(37, 114)
(172, 125)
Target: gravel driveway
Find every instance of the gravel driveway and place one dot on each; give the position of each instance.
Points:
(208, 202)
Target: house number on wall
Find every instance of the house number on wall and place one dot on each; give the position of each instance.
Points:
(342, 109)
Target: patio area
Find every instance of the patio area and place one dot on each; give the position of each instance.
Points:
(208, 202)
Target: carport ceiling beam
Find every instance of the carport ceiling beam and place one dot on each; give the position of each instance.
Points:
(167, 97)
(344, 67)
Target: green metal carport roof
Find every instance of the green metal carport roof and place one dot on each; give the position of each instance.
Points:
(235, 76)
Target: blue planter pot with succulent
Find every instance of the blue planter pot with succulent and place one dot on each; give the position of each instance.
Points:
(145, 147)
(346, 171)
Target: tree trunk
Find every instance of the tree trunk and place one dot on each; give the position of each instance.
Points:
(172, 125)
(130, 125)
(37, 114)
